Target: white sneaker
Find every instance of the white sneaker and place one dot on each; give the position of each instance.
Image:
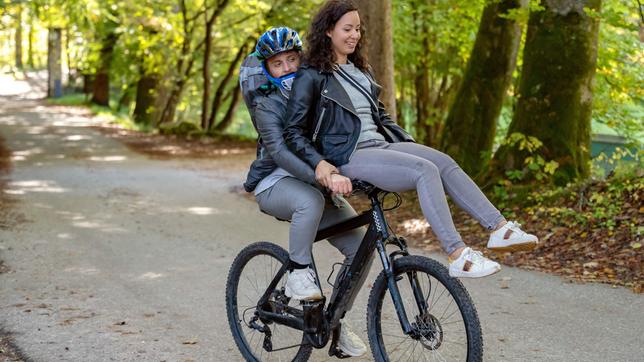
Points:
(510, 237)
(472, 264)
(301, 285)
(349, 343)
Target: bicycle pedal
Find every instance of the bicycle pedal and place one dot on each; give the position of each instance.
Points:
(268, 343)
(337, 353)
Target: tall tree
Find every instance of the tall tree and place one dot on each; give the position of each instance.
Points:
(219, 93)
(101, 91)
(145, 98)
(30, 47)
(555, 91)
(209, 22)
(376, 15)
(18, 39)
(471, 123)
(187, 58)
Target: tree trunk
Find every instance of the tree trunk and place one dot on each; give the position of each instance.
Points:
(167, 116)
(18, 34)
(101, 93)
(471, 124)
(126, 97)
(30, 49)
(376, 15)
(145, 99)
(54, 66)
(421, 83)
(230, 114)
(423, 127)
(206, 73)
(555, 92)
(72, 72)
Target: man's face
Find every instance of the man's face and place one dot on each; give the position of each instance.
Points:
(283, 63)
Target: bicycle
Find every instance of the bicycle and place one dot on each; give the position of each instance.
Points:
(442, 323)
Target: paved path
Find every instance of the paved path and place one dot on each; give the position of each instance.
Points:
(124, 258)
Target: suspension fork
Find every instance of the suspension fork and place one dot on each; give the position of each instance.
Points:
(387, 265)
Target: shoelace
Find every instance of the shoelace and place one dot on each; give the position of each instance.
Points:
(515, 227)
(475, 256)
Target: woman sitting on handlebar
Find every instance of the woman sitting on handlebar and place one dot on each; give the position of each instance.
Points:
(337, 125)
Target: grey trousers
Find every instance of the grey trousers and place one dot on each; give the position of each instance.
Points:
(408, 166)
(306, 208)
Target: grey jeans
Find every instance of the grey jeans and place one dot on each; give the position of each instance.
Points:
(408, 166)
(307, 210)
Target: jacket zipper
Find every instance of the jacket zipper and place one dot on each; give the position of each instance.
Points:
(318, 125)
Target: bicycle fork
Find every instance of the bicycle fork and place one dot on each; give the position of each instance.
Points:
(392, 285)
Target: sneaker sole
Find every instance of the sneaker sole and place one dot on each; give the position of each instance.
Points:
(306, 298)
(472, 275)
(515, 247)
(351, 352)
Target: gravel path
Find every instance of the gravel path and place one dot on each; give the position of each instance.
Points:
(121, 257)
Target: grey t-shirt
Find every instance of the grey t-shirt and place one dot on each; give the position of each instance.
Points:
(270, 180)
(368, 128)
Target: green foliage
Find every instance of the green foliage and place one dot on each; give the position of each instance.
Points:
(438, 34)
(535, 166)
(105, 115)
(592, 203)
(619, 95)
(74, 99)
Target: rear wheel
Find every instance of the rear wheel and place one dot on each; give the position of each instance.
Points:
(447, 329)
(250, 275)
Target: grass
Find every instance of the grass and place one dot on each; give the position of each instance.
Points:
(106, 114)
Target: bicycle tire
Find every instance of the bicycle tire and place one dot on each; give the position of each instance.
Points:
(455, 288)
(235, 321)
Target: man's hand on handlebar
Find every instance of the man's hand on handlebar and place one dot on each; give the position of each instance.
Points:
(328, 176)
(340, 184)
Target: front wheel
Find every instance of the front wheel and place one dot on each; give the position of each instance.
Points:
(262, 340)
(445, 325)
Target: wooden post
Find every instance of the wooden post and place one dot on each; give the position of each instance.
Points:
(54, 66)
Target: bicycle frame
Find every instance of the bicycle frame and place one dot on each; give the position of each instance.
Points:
(375, 238)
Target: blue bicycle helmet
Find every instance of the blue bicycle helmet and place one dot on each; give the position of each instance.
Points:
(273, 42)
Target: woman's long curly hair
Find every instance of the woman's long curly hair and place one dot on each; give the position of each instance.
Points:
(319, 52)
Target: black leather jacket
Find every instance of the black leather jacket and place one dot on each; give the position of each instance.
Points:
(321, 122)
(271, 149)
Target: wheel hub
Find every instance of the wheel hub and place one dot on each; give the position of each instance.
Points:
(428, 330)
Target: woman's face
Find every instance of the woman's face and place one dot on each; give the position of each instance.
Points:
(283, 63)
(345, 34)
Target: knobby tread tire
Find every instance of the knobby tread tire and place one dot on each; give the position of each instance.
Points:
(255, 249)
(453, 286)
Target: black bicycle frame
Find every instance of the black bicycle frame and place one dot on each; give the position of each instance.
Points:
(375, 238)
